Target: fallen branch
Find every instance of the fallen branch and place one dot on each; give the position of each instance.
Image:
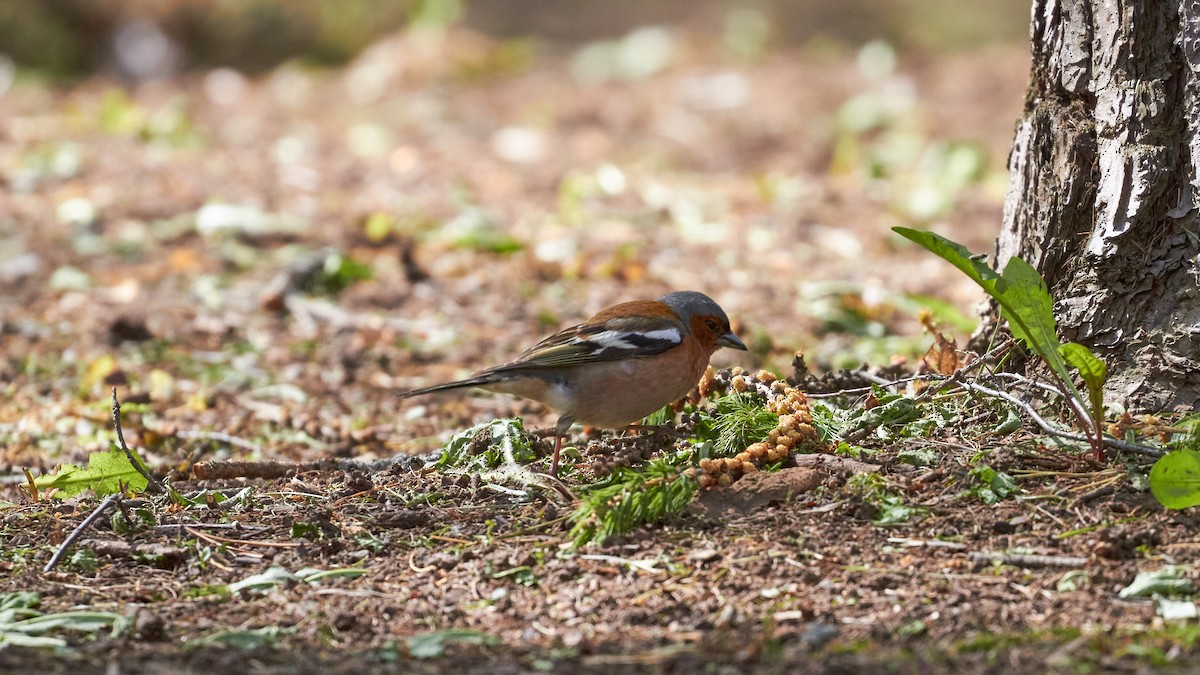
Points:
(1054, 431)
(1028, 559)
(169, 556)
(927, 543)
(270, 469)
(106, 504)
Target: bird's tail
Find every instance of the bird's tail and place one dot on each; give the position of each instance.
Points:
(477, 381)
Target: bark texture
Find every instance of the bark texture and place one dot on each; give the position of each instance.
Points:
(1103, 197)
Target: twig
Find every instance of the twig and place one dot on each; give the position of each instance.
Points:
(927, 543)
(1025, 380)
(95, 515)
(209, 526)
(151, 480)
(1048, 428)
(1101, 491)
(277, 469)
(214, 539)
(881, 381)
(999, 351)
(167, 555)
(1029, 560)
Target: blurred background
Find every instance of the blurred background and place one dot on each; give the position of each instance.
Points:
(71, 38)
(266, 216)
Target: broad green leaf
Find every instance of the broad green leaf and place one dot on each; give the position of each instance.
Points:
(992, 486)
(18, 600)
(918, 456)
(1175, 479)
(1169, 580)
(272, 577)
(893, 510)
(1091, 368)
(105, 473)
(88, 622)
(22, 640)
(1020, 291)
(508, 443)
(253, 638)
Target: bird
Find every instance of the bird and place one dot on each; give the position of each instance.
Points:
(617, 367)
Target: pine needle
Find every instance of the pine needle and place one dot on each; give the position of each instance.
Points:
(629, 499)
(738, 421)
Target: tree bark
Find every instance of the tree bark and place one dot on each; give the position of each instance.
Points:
(1102, 197)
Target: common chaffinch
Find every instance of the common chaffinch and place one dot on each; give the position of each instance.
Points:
(617, 367)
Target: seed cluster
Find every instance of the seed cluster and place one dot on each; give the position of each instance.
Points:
(625, 452)
(794, 431)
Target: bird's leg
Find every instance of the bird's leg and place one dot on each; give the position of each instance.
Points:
(560, 430)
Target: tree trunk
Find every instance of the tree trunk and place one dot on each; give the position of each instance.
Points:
(1102, 197)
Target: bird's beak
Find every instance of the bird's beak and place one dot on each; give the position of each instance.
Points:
(732, 341)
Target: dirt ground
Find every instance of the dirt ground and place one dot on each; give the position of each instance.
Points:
(184, 242)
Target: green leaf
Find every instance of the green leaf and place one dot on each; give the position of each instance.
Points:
(18, 600)
(896, 411)
(992, 486)
(253, 638)
(87, 622)
(1012, 422)
(105, 473)
(316, 576)
(486, 446)
(1175, 479)
(1020, 291)
(23, 626)
(522, 575)
(272, 577)
(22, 640)
(918, 456)
(1169, 580)
(893, 510)
(338, 273)
(433, 644)
(1189, 438)
(1092, 370)
(629, 498)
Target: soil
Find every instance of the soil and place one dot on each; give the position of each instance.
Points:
(496, 198)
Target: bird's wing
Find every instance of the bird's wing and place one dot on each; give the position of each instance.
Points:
(611, 340)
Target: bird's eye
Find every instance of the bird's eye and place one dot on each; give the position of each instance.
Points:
(712, 325)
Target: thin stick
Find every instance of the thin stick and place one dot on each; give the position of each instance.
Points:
(108, 502)
(1048, 428)
(151, 480)
(862, 390)
(269, 469)
(1029, 560)
(1025, 380)
(1001, 350)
